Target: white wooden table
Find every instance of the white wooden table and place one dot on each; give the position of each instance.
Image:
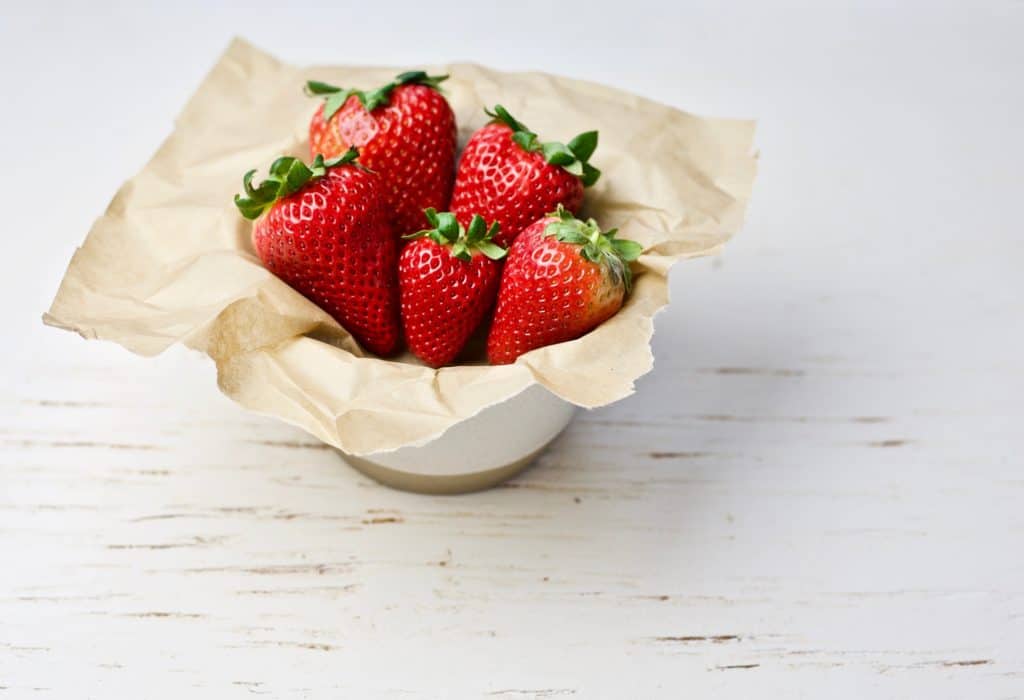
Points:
(817, 493)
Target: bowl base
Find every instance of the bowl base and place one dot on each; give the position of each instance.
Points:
(440, 484)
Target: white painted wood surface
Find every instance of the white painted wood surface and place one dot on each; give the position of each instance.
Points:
(817, 493)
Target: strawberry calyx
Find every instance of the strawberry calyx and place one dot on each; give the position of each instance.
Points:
(335, 97)
(596, 246)
(287, 176)
(446, 230)
(574, 156)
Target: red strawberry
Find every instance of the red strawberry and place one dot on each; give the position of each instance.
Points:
(506, 175)
(563, 278)
(324, 230)
(404, 130)
(448, 278)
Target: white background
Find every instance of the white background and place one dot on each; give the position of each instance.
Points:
(817, 493)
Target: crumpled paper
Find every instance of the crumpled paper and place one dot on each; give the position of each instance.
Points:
(170, 261)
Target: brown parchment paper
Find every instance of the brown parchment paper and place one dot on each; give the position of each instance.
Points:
(170, 260)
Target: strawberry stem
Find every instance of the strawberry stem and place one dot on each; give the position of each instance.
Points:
(574, 157)
(599, 247)
(446, 230)
(335, 97)
(287, 176)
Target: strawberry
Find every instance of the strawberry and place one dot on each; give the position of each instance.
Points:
(448, 277)
(507, 175)
(563, 278)
(324, 230)
(404, 130)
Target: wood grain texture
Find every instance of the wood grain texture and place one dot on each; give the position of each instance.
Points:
(817, 493)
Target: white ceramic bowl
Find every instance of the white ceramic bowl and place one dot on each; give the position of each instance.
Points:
(479, 452)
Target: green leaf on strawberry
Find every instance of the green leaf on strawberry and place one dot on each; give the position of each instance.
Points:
(287, 176)
(596, 246)
(574, 157)
(446, 230)
(335, 97)
(627, 250)
(584, 145)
